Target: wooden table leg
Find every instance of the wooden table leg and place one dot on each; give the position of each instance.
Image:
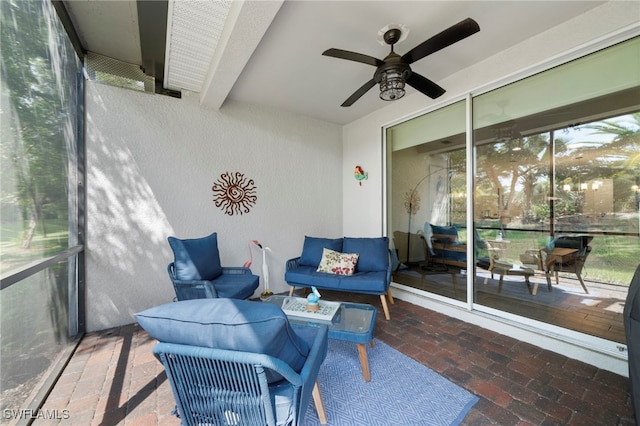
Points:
(317, 399)
(534, 291)
(364, 361)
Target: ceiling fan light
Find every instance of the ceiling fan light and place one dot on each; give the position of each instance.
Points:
(391, 86)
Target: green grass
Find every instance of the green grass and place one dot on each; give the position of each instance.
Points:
(12, 255)
(613, 258)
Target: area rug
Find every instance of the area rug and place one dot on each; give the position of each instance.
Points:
(401, 391)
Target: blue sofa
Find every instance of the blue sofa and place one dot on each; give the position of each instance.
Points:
(442, 246)
(371, 275)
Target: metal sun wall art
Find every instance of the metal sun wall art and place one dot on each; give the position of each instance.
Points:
(234, 193)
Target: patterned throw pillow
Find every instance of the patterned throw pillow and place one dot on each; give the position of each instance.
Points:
(337, 263)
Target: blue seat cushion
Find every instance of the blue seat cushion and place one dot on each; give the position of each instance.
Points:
(231, 324)
(196, 259)
(313, 246)
(281, 394)
(373, 282)
(450, 254)
(374, 252)
(236, 286)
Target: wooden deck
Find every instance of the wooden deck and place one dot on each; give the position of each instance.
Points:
(598, 313)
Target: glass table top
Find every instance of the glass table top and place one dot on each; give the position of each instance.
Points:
(352, 321)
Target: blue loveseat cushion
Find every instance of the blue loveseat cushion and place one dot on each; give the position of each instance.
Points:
(372, 282)
(313, 246)
(374, 253)
(196, 259)
(231, 324)
(445, 230)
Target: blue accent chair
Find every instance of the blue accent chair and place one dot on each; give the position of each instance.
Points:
(196, 272)
(237, 362)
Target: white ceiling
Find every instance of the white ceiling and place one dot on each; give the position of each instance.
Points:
(269, 52)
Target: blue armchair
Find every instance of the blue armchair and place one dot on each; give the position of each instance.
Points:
(237, 362)
(196, 272)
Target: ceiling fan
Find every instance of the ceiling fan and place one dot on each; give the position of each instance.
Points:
(394, 71)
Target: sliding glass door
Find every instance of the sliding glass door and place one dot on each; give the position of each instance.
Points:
(556, 198)
(427, 176)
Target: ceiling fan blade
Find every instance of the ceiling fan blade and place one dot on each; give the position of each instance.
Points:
(451, 35)
(353, 56)
(358, 93)
(424, 85)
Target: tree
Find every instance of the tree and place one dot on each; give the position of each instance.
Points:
(35, 82)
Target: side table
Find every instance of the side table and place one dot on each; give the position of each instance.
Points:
(353, 322)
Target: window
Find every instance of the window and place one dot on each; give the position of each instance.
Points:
(39, 256)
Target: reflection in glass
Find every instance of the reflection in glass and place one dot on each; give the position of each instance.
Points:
(30, 346)
(556, 195)
(38, 206)
(39, 121)
(555, 168)
(428, 172)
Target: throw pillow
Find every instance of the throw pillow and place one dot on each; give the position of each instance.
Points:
(333, 262)
(237, 325)
(196, 259)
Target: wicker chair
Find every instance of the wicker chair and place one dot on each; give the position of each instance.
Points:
(237, 362)
(196, 272)
(579, 248)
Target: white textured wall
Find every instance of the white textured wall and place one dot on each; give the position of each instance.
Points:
(362, 139)
(151, 162)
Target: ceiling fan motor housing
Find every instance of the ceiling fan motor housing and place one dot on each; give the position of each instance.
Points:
(393, 64)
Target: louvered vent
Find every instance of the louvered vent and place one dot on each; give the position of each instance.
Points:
(103, 69)
(193, 32)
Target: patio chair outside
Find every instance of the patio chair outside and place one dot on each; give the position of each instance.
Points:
(567, 253)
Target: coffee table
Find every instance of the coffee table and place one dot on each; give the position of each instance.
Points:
(353, 322)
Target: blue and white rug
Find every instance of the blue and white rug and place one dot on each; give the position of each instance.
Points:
(401, 391)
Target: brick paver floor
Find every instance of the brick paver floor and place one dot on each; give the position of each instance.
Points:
(113, 379)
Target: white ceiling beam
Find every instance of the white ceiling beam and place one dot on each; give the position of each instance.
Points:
(246, 24)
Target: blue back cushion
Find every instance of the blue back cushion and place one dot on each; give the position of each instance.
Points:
(238, 325)
(374, 252)
(445, 230)
(579, 242)
(196, 259)
(312, 249)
